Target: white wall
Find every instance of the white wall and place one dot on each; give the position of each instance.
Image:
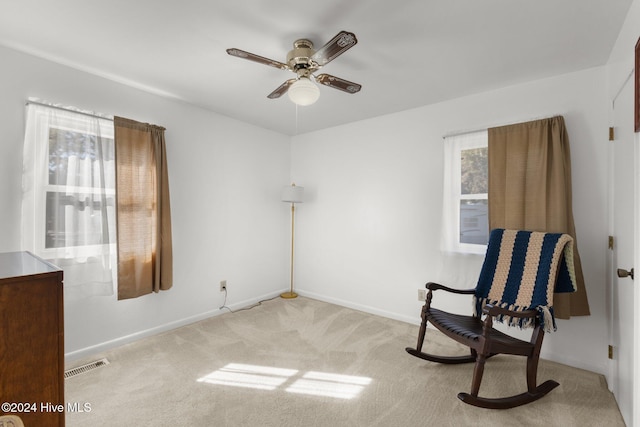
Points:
(368, 233)
(225, 181)
(368, 237)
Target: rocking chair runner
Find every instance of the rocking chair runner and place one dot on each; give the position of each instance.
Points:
(521, 271)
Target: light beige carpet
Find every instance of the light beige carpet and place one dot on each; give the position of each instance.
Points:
(303, 362)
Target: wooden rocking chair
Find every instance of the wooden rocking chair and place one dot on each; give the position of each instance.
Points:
(521, 271)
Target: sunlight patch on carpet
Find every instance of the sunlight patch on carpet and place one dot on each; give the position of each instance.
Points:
(250, 376)
(331, 385)
(291, 380)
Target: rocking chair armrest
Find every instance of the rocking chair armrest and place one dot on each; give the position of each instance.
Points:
(435, 286)
(493, 310)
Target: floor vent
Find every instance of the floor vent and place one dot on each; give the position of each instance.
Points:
(85, 368)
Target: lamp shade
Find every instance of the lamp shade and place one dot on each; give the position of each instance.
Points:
(292, 193)
(303, 92)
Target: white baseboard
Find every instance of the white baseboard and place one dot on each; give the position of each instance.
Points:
(548, 355)
(364, 308)
(117, 342)
(107, 345)
(572, 361)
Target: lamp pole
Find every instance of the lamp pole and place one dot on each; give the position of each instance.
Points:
(293, 195)
(291, 294)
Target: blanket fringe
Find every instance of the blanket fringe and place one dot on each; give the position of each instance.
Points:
(545, 316)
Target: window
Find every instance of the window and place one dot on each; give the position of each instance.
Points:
(69, 195)
(74, 188)
(465, 208)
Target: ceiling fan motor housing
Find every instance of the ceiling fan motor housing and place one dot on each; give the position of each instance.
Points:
(300, 57)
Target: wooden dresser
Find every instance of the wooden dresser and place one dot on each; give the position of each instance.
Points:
(31, 339)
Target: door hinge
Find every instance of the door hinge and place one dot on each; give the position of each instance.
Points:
(611, 242)
(612, 134)
(610, 352)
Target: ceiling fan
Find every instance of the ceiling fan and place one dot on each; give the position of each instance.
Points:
(304, 61)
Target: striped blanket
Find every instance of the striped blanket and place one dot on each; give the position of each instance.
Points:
(519, 273)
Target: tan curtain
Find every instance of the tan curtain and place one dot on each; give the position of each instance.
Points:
(530, 189)
(145, 256)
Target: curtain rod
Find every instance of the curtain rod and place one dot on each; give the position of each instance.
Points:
(462, 132)
(465, 132)
(59, 107)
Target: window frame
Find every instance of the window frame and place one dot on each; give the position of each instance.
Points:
(454, 145)
(66, 120)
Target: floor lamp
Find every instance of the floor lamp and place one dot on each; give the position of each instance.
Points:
(292, 194)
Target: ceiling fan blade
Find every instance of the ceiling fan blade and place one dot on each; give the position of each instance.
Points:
(281, 90)
(343, 41)
(257, 58)
(338, 83)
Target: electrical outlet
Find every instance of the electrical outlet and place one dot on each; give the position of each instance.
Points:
(223, 285)
(422, 294)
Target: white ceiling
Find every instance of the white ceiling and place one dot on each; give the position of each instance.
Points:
(409, 52)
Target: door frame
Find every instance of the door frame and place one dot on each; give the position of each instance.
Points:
(636, 287)
(611, 259)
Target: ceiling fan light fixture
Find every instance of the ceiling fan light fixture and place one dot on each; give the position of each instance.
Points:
(303, 92)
